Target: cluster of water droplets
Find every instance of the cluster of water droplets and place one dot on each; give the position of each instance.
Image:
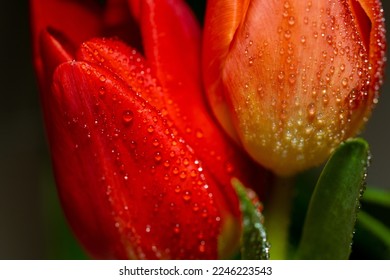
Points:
(145, 147)
(309, 85)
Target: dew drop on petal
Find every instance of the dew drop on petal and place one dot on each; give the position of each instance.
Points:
(157, 156)
(183, 175)
(176, 229)
(187, 196)
(202, 247)
(102, 91)
(127, 117)
(311, 109)
(186, 162)
(199, 134)
(102, 78)
(150, 129)
(291, 20)
(177, 189)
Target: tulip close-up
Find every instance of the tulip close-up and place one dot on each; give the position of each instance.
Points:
(291, 80)
(179, 129)
(142, 169)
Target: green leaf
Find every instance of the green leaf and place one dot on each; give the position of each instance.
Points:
(377, 196)
(254, 244)
(331, 218)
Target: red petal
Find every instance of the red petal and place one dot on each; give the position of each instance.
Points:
(171, 37)
(77, 20)
(55, 50)
(129, 186)
(195, 124)
(119, 22)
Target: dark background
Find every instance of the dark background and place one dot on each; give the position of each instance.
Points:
(31, 225)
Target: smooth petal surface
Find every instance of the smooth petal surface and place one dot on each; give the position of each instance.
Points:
(116, 159)
(75, 20)
(309, 72)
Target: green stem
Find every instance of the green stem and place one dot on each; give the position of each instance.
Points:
(277, 217)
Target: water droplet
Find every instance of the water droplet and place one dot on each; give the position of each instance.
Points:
(102, 92)
(183, 175)
(175, 171)
(156, 143)
(150, 129)
(292, 79)
(325, 99)
(195, 207)
(193, 173)
(202, 247)
(166, 164)
(176, 229)
(291, 20)
(186, 162)
(344, 82)
(177, 189)
(157, 157)
(127, 117)
(311, 109)
(229, 167)
(102, 78)
(187, 196)
(287, 34)
(198, 134)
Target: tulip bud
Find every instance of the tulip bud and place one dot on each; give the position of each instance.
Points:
(292, 79)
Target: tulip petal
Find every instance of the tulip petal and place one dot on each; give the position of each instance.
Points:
(196, 126)
(77, 20)
(171, 39)
(369, 17)
(55, 50)
(221, 22)
(305, 80)
(116, 159)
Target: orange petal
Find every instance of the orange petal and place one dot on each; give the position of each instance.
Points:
(298, 78)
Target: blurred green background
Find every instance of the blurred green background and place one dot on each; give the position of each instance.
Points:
(30, 218)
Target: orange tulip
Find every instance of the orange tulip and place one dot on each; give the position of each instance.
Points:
(292, 79)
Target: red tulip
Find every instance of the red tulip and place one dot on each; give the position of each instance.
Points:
(290, 80)
(142, 169)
